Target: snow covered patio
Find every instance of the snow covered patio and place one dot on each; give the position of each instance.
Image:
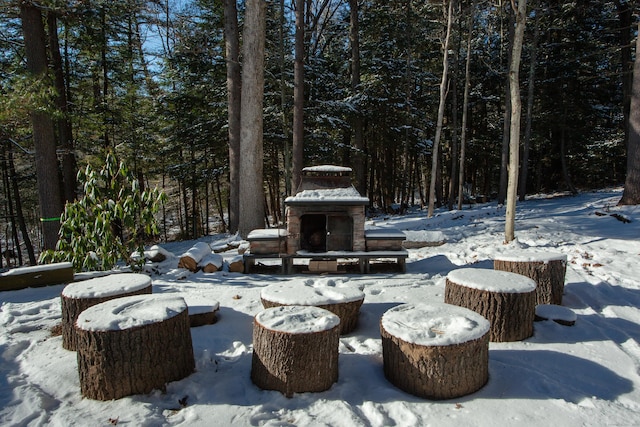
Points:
(586, 374)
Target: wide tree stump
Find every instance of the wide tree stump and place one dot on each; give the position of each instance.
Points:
(435, 351)
(546, 269)
(133, 345)
(295, 349)
(344, 302)
(77, 297)
(507, 300)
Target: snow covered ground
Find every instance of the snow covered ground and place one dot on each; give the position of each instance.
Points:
(587, 374)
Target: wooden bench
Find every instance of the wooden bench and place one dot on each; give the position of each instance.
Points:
(36, 276)
(363, 257)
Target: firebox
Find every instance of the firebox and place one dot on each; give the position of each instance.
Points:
(327, 213)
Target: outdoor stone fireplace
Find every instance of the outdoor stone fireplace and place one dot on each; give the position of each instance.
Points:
(325, 222)
(327, 213)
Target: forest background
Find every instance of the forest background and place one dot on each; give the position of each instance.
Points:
(146, 81)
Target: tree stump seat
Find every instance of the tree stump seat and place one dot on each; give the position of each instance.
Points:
(506, 299)
(295, 349)
(546, 269)
(133, 345)
(78, 296)
(201, 310)
(561, 315)
(435, 351)
(345, 302)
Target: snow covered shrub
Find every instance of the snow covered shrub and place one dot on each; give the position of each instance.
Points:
(109, 222)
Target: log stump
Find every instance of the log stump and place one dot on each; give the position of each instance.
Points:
(561, 315)
(344, 302)
(435, 351)
(77, 297)
(295, 349)
(133, 345)
(507, 300)
(546, 269)
(202, 311)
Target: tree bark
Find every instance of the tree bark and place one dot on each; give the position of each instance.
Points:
(441, 106)
(63, 124)
(465, 109)
(117, 363)
(511, 314)
(548, 275)
(436, 372)
(358, 122)
(232, 49)
(298, 98)
(524, 167)
(292, 362)
(72, 307)
(514, 130)
(251, 213)
(49, 195)
(631, 193)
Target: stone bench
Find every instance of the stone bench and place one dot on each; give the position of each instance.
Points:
(295, 349)
(133, 345)
(435, 351)
(545, 268)
(507, 300)
(344, 302)
(77, 297)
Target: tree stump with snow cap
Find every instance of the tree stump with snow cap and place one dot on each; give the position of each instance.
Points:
(295, 349)
(546, 269)
(343, 301)
(506, 299)
(77, 297)
(133, 345)
(435, 351)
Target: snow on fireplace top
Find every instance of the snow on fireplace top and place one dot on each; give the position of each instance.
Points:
(327, 168)
(338, 196)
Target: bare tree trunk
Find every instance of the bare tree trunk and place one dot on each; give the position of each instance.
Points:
(358, 123)
(443, 98)
(63, 124)
(283, 104)
(514, 131)
(631, 193)
(453, 176)
(465, 109)
(43, 129)
(508, 114)
(252, 97)
(522, 190)
(298, 98)
(232, 48)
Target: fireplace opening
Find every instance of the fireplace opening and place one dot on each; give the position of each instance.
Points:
(313, 232)
(326, 232)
